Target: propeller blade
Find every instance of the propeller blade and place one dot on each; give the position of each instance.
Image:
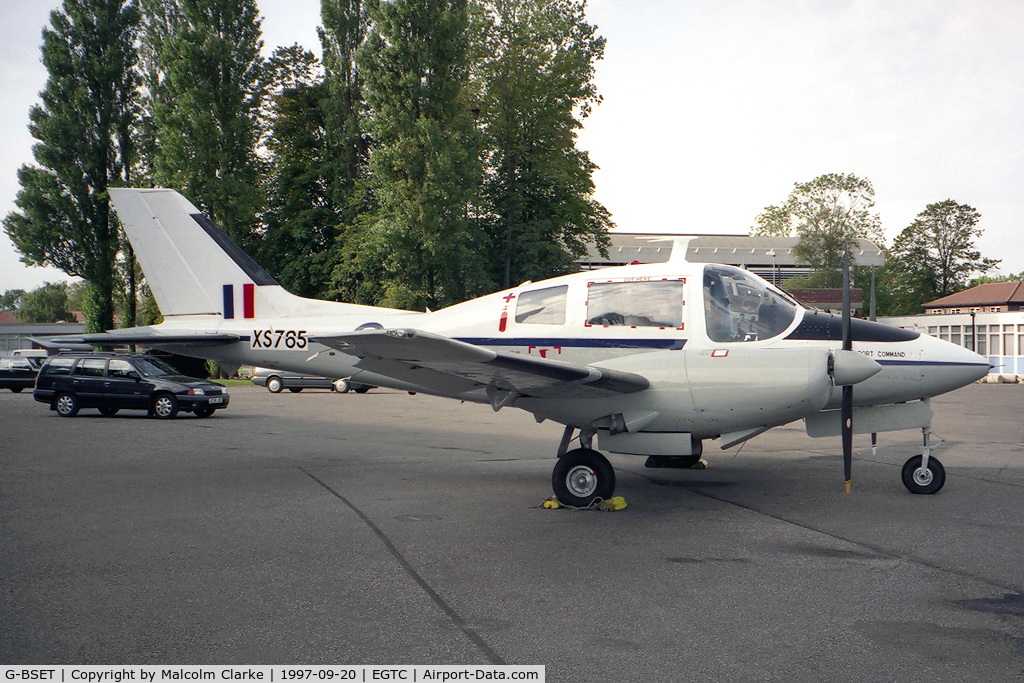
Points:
(847, 402)
(847, 433)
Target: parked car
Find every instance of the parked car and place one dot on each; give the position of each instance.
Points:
(19, 372)
(278, 380)
(112, 381)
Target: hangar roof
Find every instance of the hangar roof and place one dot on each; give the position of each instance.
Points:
(741, 250)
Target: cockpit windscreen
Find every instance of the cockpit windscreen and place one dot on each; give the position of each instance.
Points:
(739, 307)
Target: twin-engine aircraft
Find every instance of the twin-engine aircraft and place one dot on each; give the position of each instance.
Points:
(650, 359)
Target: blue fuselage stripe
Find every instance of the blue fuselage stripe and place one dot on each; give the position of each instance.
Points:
(574, 342)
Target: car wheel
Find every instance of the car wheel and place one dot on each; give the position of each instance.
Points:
(275, 385)
(165, 406)
(66, 405)
(109, 411)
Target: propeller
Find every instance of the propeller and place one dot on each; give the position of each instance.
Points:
(846, 407)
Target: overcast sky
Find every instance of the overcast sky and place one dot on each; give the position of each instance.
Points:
(713, 109)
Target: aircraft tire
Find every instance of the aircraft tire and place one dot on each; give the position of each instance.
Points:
(109, 411)
(679, 462)
(581, 477)
(204, 412)
(919, 480)
(275, 385)
(341, 386)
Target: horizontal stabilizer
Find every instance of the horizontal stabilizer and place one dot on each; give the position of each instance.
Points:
(451, 367)
(133, 336)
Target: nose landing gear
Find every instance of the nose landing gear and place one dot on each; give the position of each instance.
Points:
(923, 473)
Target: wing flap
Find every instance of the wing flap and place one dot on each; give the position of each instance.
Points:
(455, 368)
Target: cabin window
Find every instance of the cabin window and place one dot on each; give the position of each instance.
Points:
(647, 303)
(741, 307)
(542, 306)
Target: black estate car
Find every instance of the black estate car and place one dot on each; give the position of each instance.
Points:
(111, 381)
(18, 372)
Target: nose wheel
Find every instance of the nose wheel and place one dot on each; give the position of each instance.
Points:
(924, 473)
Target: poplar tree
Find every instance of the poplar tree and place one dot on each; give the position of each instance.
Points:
(82, 126)
(206, 87)
(301, 220)
(535, 73)
(424, 167)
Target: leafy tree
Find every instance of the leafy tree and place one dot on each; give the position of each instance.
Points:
(988, 279)
(205, 81)
(415, 67)
(346, 23)
(47, 304)
(828, 214)
(11, 299)
(300, 218)
(935, 256)
(535, 73)
(82, 125)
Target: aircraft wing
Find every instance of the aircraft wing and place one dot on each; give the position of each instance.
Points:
(454, 368)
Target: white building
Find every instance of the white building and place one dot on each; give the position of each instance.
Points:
(988, 319)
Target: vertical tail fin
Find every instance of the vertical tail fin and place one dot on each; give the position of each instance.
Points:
(194, 269)
(188, 262)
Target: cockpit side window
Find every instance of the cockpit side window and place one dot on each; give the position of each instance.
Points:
(740, 307)
(542, 306)
(646, 303)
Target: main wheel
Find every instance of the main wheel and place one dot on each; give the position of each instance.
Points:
(109, 411)
(66, 405)
(204, 412)
(582, 476)
(678, 462)
(295, 390)
(275, 385)
(165, 406)
(341, 386)
(918, 479)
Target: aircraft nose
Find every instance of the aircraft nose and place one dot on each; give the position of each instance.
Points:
(952, 366)
(850, 367)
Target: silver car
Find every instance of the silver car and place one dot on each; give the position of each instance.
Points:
(278, 380)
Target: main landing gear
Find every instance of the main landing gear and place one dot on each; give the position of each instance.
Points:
(923, 473)
(582, 476)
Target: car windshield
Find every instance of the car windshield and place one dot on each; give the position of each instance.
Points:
(154, 367)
